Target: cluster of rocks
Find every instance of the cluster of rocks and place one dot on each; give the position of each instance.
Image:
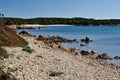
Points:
(54, 39)
(85, 52)
(100, 56)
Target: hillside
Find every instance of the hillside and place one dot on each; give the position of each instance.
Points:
(8, 37)
(68, 21)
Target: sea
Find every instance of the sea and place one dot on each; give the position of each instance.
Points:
(106, 39)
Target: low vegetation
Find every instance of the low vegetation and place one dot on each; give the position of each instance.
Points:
(39, 56)
(3, 75)
(55, 74)
(8, 37)
(3, 53)
(27, 49)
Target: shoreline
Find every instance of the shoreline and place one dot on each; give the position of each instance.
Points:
(73, 66)
(32, 26)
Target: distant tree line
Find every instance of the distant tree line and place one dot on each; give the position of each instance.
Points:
(68, 21)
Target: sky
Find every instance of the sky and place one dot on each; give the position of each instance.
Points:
(98, 9)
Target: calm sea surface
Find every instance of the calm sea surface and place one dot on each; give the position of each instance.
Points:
(106, 39)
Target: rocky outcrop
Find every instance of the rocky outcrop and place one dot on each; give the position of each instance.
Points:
(54, 39)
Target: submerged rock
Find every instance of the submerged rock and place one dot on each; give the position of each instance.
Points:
(86, 40)
(82, 44)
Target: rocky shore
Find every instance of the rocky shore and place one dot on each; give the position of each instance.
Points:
(63, 62)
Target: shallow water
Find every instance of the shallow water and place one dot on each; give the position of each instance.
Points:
(106, 39)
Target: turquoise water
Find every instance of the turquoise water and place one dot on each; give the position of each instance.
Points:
(106, 39)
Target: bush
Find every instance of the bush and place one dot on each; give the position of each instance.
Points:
(3, 75)
(56, 73)
(3, 53)
(27, 49)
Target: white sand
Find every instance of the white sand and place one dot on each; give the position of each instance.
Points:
(35, 25)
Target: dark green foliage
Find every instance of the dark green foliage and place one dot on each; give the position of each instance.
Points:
(56, 73)
(3, 53)
(69, 21)
(3, 75)
(27, 49)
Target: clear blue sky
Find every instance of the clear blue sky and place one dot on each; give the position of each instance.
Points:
(99, 9)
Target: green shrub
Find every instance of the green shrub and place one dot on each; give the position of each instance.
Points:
(56, 73)
(39, 56)
(3, 75)
(3, 53)
(27, 49)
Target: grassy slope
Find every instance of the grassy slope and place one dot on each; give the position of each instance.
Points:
(8, 37)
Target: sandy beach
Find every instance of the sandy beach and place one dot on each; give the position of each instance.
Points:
(44, 59)
(31, 26)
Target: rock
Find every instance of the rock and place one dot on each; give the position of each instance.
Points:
(86, 40)
(103, 56)
(93, 52)
(54, 39)
(117, 57)
(73, 49)
(83, 52)
(63, 48)
(76, 53)
(24, 33)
